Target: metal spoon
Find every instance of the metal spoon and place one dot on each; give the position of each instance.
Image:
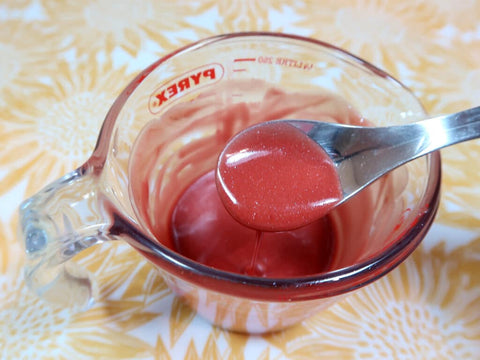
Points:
(363, 154)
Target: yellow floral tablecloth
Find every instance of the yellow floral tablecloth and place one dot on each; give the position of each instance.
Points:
(62, 63)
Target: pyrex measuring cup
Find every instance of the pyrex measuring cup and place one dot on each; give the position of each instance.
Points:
(99, 201)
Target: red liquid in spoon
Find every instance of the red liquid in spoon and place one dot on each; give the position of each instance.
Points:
(273, 177)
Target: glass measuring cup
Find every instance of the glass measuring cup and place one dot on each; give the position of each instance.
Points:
(98, 201)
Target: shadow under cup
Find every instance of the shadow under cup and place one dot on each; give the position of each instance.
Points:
(375, 231)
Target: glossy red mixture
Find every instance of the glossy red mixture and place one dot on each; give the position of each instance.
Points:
(273, 177)
(203, 230)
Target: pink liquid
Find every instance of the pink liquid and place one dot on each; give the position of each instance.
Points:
(273, 177)
(204, 231)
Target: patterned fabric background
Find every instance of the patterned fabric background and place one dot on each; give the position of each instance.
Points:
(63, 63)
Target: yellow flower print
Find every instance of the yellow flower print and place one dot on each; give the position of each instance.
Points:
(244, 15)
(103, 25)
(388, 34)
(446, 92)
(132, 294)
(23, 316)
(201, 341)
(11, 253)
(405, 315)
(129, 290)
(464, 14)
(26, 52)
(16, 4)
(461, 194)
(51, 132)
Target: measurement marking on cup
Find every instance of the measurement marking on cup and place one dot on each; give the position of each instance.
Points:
(244, 59)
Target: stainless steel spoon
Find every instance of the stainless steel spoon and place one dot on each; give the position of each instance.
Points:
(363, 154)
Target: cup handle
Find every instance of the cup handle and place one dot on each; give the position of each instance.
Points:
(57, 223)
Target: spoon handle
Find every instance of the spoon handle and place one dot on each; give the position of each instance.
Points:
(366, 153)
(443, 131)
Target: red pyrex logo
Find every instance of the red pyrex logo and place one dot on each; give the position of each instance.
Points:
(186, 83)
